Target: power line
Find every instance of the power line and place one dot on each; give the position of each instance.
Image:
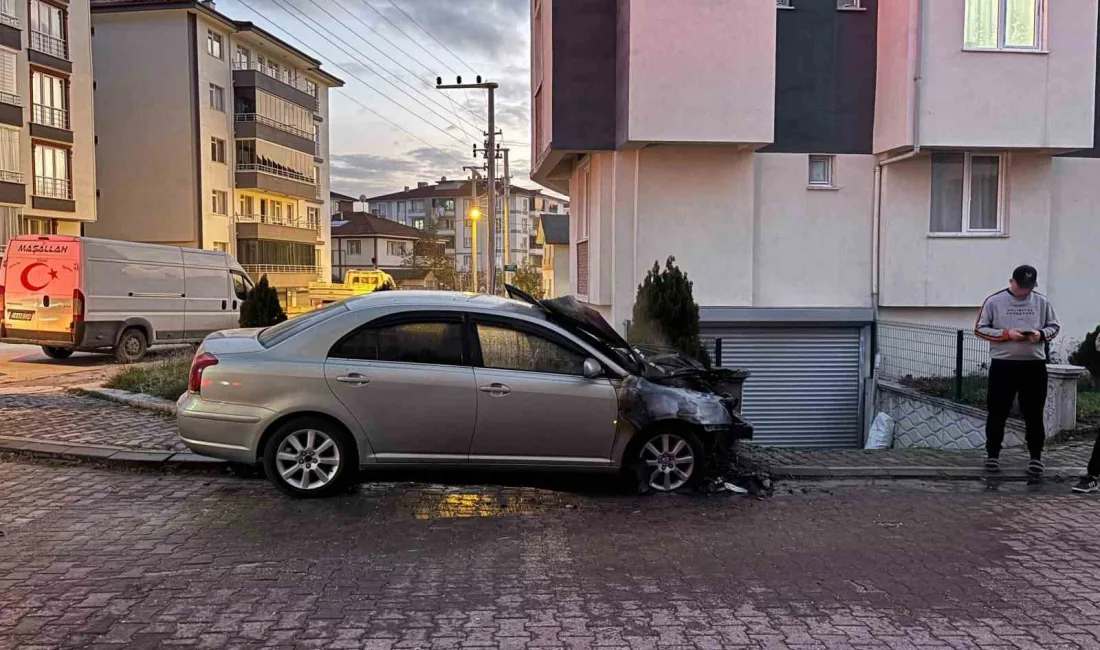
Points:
(402, 50)
(432, 36)
(317, 54)
(370, 69)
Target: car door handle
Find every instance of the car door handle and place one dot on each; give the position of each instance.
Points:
(355, 379)
(495, 389)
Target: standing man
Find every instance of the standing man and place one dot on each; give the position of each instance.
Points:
(1017, 321)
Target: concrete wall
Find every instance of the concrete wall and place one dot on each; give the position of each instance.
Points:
(1073, 278)
(922, 270)
(133, 170)
(216, 228)
(701, 71)
(1009, 99)
(894, 89)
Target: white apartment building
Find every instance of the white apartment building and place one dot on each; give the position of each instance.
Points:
(212, 133)
(816, 166)
(47, 131)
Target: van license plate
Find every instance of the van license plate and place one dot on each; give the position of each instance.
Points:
(21, 315)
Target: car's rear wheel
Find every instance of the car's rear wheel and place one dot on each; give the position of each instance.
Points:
(310, 457)
(131, 346)
(56, 353)
(669, 459)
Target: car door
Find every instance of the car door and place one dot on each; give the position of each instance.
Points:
(407, 381)
(240, 286)
(534, 405)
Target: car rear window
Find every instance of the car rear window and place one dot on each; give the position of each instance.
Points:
(276, 334)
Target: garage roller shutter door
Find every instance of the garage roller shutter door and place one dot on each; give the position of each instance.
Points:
(805, 385)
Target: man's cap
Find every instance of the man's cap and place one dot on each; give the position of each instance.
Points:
(1026, 276)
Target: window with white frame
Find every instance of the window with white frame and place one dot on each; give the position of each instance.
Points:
(11, 170)
(849, 4)
(313, 217)
(277, 211)
(784, 4)
(355, 247)
(821, 171)
(381, 209)
(48, 29)
(7, 8)
(967, 193)
(418, 205)
(585, 204)
(395, 248)
(217, 97)
(217, 150)
(1004, 24)
(48, 94)
(214, 44)
(51, 172)
(218, 201)
(221, 246)
(9, 89)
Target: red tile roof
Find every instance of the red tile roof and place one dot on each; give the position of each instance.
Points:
(363, 224)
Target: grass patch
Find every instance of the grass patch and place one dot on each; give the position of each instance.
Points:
(1088, 405)
(166, 378)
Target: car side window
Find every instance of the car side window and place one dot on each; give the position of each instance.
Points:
(240, 287)
(433, 342)
(504, 348)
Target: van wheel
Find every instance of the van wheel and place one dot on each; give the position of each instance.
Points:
(131, 346)
(56, 353)
(310, 457)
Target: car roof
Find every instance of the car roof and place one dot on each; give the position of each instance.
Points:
(416, 299)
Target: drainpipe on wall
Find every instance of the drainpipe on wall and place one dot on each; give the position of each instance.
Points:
(876, 223)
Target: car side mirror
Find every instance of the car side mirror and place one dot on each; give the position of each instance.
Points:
(592, 369)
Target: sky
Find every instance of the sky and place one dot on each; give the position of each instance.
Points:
(388, 126)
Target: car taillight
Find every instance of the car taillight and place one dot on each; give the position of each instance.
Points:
(3, 313)
(201, 362)
(78, 306)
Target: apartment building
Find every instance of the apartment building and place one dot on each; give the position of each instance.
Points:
(815, 165)
(213, 133)
(47, 134)
(448, 201)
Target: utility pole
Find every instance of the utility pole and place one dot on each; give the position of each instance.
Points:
(507, 214)
(490, 155)
(474, 214)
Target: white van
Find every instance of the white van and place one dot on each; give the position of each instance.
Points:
(76, 293)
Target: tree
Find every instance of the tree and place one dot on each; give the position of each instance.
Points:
(261, 308)
(1088, 356)
(429, 253)
(665, 312)
(529, 279)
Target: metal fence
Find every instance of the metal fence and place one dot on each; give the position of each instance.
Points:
(947, 362)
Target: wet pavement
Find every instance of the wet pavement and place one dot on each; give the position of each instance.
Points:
(100, 559)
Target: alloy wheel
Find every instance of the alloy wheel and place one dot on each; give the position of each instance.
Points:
(669, 460)
(307, 459)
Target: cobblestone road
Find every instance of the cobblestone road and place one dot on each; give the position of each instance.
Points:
(99, 559)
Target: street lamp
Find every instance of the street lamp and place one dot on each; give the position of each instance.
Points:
(474, 214)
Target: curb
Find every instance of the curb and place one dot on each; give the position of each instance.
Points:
(111, 456)
(136, 400)
(811, 472)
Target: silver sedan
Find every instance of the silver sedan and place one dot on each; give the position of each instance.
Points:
(442, 379)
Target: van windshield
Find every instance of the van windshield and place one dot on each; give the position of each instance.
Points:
(276, 334)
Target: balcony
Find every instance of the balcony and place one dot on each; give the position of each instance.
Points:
(11, 109)
(12, 187)
(276, 178)
(11, 29)
(254, 125)
(277, 82)
(265, 226)
(53, 194)
(49, 51)
(50, 123)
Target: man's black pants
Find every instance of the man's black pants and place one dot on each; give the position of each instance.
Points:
(1007, 379)
(1094, 462)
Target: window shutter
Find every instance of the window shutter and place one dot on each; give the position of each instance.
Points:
(7, 72)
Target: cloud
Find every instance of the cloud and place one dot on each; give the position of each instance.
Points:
(476, 31)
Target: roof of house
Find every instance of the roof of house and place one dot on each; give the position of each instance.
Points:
(364, 224)
(555, 228)
(450, 189)
(207, 8)
(341, 197)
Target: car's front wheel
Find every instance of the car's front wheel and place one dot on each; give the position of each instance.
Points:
(670, 459)
(310, 457)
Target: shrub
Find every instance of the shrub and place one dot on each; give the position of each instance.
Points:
(261, 308)
(166, 378)
(665, 312)
(1087, 355)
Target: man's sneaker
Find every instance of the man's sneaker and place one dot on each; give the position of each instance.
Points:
(1087, 484)
(992, 465)
(1035, 468)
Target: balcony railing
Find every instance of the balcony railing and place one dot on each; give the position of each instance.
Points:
(54, 188)
(8, 98)
(260, 119)
(51, 45)
(278, 75)
(256, 270)
(9, 20)
(276, 171)
(58, 118)
(11, 177)
(299, 221)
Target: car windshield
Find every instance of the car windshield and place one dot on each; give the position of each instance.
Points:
(276, 334)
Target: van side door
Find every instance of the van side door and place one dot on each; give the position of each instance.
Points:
(206, 294)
